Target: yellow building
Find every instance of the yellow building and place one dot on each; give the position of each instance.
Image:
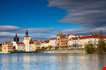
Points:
(62, 40)
(7, 47)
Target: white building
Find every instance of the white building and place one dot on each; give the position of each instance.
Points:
(73, 41)
(26, 45)
(44, 44)
(26, 41)
(88, 39)
(52, 42)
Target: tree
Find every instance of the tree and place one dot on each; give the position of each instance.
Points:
(101, 47)
(89, 48)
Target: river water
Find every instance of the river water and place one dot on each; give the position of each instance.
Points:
(41, 61)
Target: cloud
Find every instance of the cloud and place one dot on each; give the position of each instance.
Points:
(37, 30)
(9, 34)
(41, 35)
(6, 36)
(85, 31)
(35, 33)
(8, 27)
(90, 13)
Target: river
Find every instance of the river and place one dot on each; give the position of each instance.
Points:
(44, 61)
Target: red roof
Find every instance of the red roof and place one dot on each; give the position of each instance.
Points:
(27, 36)
(92, 37)
(52, 38)
(88, 36)
(20, 43)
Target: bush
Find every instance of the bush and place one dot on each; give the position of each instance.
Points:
(56, 48)
(101, 47)
(89, 48)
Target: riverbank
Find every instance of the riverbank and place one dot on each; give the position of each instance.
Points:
(70, 51)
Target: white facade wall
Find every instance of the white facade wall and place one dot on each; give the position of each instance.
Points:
(73, 42)
(52, 43)
(44, 45)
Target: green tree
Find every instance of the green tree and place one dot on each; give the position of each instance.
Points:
(89, 48)
(101, 47)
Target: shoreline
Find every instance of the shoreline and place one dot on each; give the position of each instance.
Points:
(69, 51)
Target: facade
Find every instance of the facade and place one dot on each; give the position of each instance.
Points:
(26, 45)
(77, 41)
(81, 41)
(88, 40)
(26, 41)
(62, 40)
(20, 46)
(7, 47)
(37, 44)
(52, 42)
(45, 44)
(16, 38)
(73, 41)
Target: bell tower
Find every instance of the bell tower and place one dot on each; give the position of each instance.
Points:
(16, 38)
(26, 41)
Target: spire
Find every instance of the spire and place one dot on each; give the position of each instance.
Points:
(26, 33)
(16, 38)
(16, 35)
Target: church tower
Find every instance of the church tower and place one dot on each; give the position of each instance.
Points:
(26, 41)
(16, 38)
(62, 40)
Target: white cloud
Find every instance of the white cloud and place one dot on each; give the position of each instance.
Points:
(8, 27)
(90, 13)
(85, 30)
(38, 30)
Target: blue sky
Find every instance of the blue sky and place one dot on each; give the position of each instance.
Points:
(44, 18)
(31, 13)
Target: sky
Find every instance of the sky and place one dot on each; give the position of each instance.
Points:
(44, 18)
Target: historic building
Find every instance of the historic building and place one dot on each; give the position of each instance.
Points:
(45, 44)
(62, 40)
(26, 41)
(77, 41)
(88, 39)
(73, 41)
(52, 42)
(7, 47)
(16, 38)
(26, 45)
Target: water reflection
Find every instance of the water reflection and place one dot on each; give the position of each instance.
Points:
(101, 60)
(31, 61)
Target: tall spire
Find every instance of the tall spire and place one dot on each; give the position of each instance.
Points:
(26, 33)
(16, 35)
(16, 38)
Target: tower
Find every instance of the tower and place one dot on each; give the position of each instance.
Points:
(26, 33)
(16, 38)
(62, 40)
(26, 41)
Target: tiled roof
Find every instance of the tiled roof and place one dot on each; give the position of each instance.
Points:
(20, 43)
(27, 36)
(92, 37)
(52, 39)
(88, 37)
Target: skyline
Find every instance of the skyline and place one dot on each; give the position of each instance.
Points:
(44, 18)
